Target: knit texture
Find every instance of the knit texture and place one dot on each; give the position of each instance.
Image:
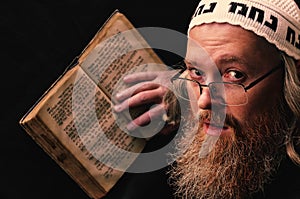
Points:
(278, 21)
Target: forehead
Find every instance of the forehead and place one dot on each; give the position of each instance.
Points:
(224, 41)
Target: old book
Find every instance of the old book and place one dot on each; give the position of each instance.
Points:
(73, 121)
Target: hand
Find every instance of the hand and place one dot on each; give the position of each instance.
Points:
(147, 88)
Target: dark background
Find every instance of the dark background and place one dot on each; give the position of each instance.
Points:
(39, 39)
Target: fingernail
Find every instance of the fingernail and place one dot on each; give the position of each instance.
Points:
(117, 108)
(131, 126)
(125, 78)
(118, 96)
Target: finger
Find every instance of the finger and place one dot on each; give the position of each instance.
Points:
(133, 90)
(139, 76)
(145, 118)
(146, 97)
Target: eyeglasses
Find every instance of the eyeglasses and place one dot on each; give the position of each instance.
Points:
(226, 93)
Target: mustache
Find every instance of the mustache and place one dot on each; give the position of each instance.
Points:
(218, 119)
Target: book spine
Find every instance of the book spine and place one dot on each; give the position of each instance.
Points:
(39, 132)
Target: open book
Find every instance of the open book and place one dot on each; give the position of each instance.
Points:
(73, 121)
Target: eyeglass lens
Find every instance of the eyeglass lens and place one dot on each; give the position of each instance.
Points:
(220, 92)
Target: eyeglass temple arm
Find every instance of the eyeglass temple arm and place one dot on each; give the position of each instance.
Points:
(179, 66)
(261, 78)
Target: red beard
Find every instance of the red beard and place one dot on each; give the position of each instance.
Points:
(238, 165)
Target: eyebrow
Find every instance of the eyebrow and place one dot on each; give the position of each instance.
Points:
(187, 62)
(223, 60)
(229, 59)
(195, 63)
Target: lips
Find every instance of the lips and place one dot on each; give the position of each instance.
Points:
(215, 129)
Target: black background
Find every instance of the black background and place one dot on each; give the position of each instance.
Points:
(39, 39)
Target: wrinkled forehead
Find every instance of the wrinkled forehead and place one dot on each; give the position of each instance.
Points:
(212, 44)
(196, 54)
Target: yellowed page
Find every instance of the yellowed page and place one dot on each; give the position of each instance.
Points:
(79, 115)
(120, 50)
(73, 121)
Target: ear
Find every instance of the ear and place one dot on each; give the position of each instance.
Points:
(298, 68)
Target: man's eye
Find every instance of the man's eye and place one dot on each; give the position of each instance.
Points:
(234, 75)
(196, 73)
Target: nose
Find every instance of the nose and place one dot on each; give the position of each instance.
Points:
(205, 100)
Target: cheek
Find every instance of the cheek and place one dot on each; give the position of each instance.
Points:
(194, 95)
(258, 103)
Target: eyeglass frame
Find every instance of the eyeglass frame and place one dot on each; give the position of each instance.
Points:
(246, 88)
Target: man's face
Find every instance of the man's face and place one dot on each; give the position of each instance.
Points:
(240, 57)
(249, 148)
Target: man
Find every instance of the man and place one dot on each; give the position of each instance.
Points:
(255, 46)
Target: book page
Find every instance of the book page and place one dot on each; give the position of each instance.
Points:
(79, 115)
(120, 50)
(73, 121)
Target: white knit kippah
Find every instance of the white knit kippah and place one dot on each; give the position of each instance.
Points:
(276, 20)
